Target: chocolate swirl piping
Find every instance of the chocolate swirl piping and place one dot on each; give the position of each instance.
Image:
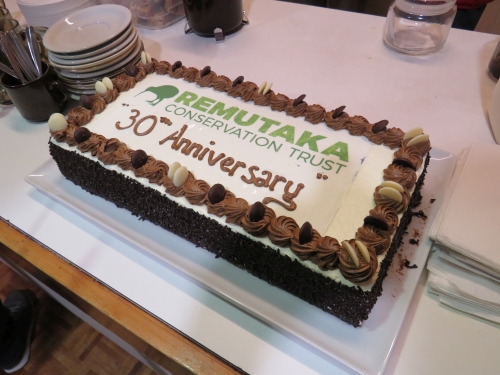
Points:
(124, 82)
(98, 104)
(304, 251)
(278, 102)
(411, 155)
(154, 170)
(394, 137)
(162, 67)
(338, 123)
(108, 157)
(404, 176)
(190, 74)
(348, 269)
(315, 114)
(92, 144)
(176, 191)
(258, 228)
(235, 209)
(80, 116)
(357, 125)
(295, 111)
(281, 230)
(399, 207)
(379, 240)
(221, 83)
(218, 209)
(326, 256)
(196, 192)
(206, 80)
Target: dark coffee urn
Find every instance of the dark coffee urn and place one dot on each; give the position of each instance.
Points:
(204, 16)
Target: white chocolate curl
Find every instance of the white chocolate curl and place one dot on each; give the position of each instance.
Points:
(418, 139)
(171, 170)
(107, 82)
(352, 253)
(143, 58)
(57, 122)
(262, 87)
(391, 193)
(180, 176)
(148, 58)
(412, 133)
(268, 87)
(100, 87)
(393, 184)
(363, 250)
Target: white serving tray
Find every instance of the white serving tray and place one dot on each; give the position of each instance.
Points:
(365, 349)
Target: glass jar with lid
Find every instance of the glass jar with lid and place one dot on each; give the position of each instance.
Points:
(418, 27)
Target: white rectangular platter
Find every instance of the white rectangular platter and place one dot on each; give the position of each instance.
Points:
(365, 350)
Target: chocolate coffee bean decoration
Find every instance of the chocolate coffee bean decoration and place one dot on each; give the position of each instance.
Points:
(139, 158)
(376, 222)
(85, 102)
(206, 70)
(216, 193)
(404, 163)
(299, 100)
(379, 126)
(81, 134)
(338, 111)
(176, 65)
(131, 70)
(238, 80)
(306, 233)
(257, 212)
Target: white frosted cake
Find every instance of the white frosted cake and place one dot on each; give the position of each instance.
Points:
(312, 201)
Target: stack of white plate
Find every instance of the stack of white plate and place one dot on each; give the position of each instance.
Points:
(91, 44)
(47, 12)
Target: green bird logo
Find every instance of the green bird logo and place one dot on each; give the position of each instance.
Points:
(161, 92)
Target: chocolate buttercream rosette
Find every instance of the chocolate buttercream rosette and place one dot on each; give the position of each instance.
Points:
(80, 116)
(398, 202)
(196, 191)
(357, 264)
(377, 239)
(357, 125)
(257, 219)
(326, 256)
(108, 151)
(218, 208)
(172, 189)
(304, 241)
(235, 209)
(154, 170)
(190, 74)
(281, 230)
(405, 176)
(384, 218)
(337, 119)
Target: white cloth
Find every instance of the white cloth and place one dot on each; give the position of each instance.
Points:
(465, 266)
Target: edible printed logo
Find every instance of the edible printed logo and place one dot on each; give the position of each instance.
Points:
(161, 92)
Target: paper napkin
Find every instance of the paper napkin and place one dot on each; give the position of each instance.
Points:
(464, 289)
(469, 219)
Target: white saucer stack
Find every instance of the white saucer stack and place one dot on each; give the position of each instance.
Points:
(47, 12)
(92, 43)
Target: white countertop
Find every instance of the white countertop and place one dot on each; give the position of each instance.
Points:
(336, 58)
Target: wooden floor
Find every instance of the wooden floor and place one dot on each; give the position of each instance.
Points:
(64, 344)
